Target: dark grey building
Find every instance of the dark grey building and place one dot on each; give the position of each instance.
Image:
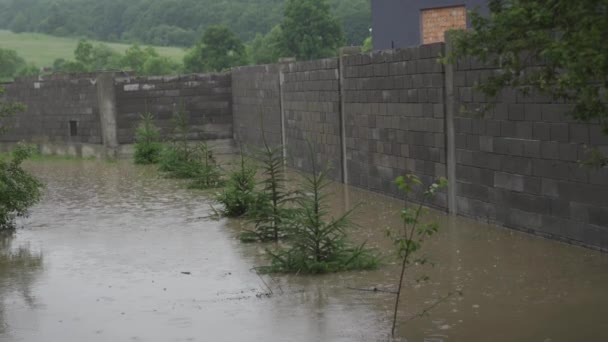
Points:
(405, 23)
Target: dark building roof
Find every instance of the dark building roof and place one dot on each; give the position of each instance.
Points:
(397, 23)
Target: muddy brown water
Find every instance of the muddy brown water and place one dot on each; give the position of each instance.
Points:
(102, 259)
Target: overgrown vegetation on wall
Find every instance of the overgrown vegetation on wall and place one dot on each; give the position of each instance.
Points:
(555, 48)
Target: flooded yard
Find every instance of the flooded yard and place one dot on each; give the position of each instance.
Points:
(115, 253)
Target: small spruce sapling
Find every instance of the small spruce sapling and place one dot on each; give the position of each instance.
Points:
(269, 213)
(148, 145)
(318, 244)
(239, 196)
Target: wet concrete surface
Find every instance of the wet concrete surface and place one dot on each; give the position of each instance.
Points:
(114, 253)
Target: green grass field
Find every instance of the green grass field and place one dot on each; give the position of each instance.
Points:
(42, 49)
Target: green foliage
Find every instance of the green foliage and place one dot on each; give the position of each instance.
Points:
(181, 160)
(208, 174)
(266, 49)
(7, 111)
(18, 189)
(309, 31)
(10, 63)
(218, 50)
(148, 145)
(28, 70)
(84, 52)
(159, 66)
(269, 213)
(318, 244)
(135, 58)
(90, 58)
(165, 22)
(19, 24)
(411, 238)
(368, 44)
(555, 47)
(238, 197)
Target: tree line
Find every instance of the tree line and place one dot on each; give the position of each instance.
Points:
(308, 31)
(166, 22)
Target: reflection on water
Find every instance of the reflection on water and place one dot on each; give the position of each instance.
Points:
(19, 267)
(131, 257)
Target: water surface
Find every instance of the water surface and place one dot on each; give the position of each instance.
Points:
(114, 253)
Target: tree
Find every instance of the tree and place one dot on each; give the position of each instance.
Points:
(10, 63)
(218, 50)
(554, 47)
(104, 57)
(266, 49)
(19, 24)
(84, 52)
(159, 66)
(28, 70)
(135, 58)
(309, 30)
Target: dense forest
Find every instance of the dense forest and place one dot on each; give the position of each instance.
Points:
(166, 22)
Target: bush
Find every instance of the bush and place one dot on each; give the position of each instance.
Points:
(318, 244)
(239, 196)
(18, 189)
(148, 146)
(182, 160)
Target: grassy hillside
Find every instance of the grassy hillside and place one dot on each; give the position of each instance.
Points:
(43, 49)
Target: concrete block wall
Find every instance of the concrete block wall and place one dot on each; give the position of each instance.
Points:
(311, 105)
(394, 118)
(206, 100)
(52, 102)
(518, 165)
(256, 102)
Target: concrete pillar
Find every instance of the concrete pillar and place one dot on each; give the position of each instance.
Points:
(345, 51)
(106, 98)
(283, 64)
(450, 112)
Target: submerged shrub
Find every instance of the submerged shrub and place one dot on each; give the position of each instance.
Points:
(183, 160)
(148, 144)
(269, 213)
(18, 189)
(239, 196)
(318, 244)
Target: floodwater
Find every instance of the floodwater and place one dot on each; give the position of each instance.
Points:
(113, 253)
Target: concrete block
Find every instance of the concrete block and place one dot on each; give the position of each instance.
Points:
(560, 132)
(541, 131)
(549, 149)
(597, 215)
(509, 181)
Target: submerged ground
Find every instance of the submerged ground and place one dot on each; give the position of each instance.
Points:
(115, 253)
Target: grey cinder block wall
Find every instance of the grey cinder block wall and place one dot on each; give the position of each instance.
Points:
(206, 101)
(395, 112)
(105, 108)
(256, 107)
(52, 103)
(518, 165)
(311, 107)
